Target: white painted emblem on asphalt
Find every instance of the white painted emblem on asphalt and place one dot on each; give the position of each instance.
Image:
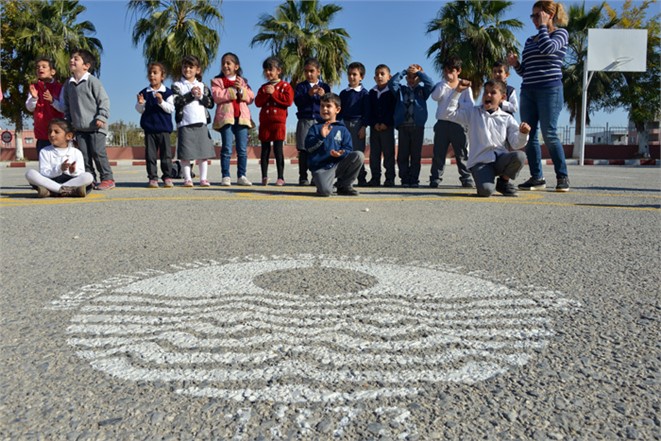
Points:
(307, 328)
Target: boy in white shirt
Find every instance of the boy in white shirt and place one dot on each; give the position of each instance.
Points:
(490, 131)
(447, 132)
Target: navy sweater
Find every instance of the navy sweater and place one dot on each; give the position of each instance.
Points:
(154, 119)
(308, 106)
(355, 105)
(382, 108)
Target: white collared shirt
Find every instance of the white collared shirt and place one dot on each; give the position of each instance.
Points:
(380, 92)
(194, 112)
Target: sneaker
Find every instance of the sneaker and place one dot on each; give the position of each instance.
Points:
(153, 183)
(73, 192)
(303, 182)
(415, 185)
(188, 183)
(506, 188)
(243, 181)
(167, 183)
(406, 185)
(435, 183)
(107, 184)
(389, 183)
(349, 191)
(205, 183)
(468, 184)
(265, 181)
(533, 184)
(226, 181)
(42, 192)
(563, 184)
(280, 182)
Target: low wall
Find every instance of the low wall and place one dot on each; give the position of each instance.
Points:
(592, 151)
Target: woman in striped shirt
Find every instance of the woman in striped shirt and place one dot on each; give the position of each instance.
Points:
(541, 90)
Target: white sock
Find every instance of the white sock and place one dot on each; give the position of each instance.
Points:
(204, 167)
(186, 165)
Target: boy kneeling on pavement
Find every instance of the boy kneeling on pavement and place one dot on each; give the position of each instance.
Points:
(330, 153)
(490, 131)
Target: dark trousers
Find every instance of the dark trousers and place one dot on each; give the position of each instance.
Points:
(382, 142)
(158, 145)
(358, 144)
(506, 164)
(93, 146)
(446, 133)
(279, 158)
(409, 153)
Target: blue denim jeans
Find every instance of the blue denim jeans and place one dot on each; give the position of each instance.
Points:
(542, 107)
(227, 134)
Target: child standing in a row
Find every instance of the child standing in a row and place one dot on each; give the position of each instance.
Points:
(307, 98)
(43, 101)
(191, 100)
(273, 97)
(232, 94)
(155, 105)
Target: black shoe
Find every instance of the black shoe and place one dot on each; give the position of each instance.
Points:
(406, 185)
(374, 183)
(362, 183)
(533, 184)
(467, 184)
(506, 188)
(435, 183)
(303, 182)
(415, 185)
(563, 184)
(389, 183)
(349, 191)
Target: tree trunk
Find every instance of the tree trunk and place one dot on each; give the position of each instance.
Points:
(643, 140)
(19, 145)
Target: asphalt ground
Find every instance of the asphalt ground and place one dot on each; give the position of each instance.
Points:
(269, 313)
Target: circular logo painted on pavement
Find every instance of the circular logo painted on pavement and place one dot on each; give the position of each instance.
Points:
(307, 328)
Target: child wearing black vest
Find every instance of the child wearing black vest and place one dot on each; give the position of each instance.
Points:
(156, 104)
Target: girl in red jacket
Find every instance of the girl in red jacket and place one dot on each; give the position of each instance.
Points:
(273, 97)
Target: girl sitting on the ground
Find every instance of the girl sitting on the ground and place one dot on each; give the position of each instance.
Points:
(61, 165)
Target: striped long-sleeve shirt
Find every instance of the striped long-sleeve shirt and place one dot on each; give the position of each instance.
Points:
(542, 57)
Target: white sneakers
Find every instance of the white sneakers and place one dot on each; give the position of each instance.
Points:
(243, 181)
(226, 182)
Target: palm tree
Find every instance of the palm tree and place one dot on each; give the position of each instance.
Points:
(35, 29)
(54, 29)
(299, 30)
(580, 21)
(474, 31)
(170, 29)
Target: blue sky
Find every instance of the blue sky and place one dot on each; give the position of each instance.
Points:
(390, 32)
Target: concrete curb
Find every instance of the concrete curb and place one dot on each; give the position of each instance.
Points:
(426, 161)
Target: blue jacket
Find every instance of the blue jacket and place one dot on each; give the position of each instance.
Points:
(319, 148)
(308, 106)
(419, 95)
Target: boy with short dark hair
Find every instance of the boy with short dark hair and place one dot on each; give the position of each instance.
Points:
(355, 111)
(492, 133)
(330, 153)
(382, 128)
(43, 100)
(445, 131)
(501, 72)
(87, 108)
